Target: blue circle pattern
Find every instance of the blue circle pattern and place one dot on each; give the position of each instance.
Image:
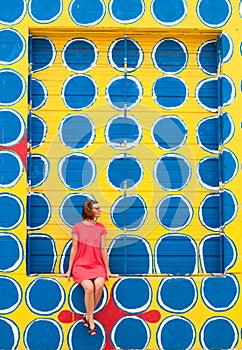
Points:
(45, 296)
(169, 132)
(170, 56)
(78, 337)
(43, 54)
(176, 332)
(207, 57)
(87, 13)
(126, 12)
(123, 132)
(11, 252)
(38, 170)
(130, 333)
(214, 13)
(12, 126)
(12, 46)
(8, 79)
(43, 334)
(176, 14)
(177, 295)
(79, 55)
(124, 171)
(12, 12)
(45, 11)
(10, 219)
(8, 327)
(39, 94)
(132, 295)
(10, 295)
(220, 293)
(77, 131)
(39, 207)
(11, 168)
(39, 130)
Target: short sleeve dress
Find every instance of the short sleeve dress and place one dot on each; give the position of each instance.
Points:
(88, 263)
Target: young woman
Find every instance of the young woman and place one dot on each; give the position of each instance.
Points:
(88, 262)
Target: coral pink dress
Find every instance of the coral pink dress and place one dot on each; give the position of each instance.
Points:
(88, 263)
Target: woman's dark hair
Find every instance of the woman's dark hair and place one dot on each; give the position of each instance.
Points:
(87, 212)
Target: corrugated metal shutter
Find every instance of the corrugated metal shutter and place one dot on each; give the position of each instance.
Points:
(116, 117)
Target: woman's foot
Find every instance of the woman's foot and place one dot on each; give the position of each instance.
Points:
(85, 321)
(92, 331)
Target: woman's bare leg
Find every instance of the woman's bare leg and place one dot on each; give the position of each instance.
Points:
(88, 287)
(98, 288)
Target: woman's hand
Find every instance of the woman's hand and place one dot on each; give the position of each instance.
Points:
(111, 275)
(68, 275)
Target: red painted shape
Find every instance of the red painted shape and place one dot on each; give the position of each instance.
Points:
(20, 149)
(108, 317)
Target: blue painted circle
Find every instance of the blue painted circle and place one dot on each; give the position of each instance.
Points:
(227, 47)
(124, 92)
(11, 252)
(12, 87)
(39, 94)
(123, 132)
(12, 12)
(77, 303)
(170, 56)
(77, 171)
(208, 173)
(169, 132)
(227, 127)
(177, 294)
(207, 57)
(176, 14)
(11, 168)
(230, 206)
(214, 13)
(12, 127)
(10, 219)
(130, 255)
(210, 262)
(230, 165)
(174, 212)
(39, 210)
(87, 13)
(45, 296)
(207, 134)
(172, 172)
(124, 171)
(182, 258)
(43, 333)
(126, 12)
(45, 11)
(79, 55)
(71, 208)
(10, 295)
(79, 91)
(12, 46)
(43, 54)
(170, 92)
(125, 54)
(9, 328)
(79, 339)
(209, 212)
(207, 94)
(176, 332)
(38, 130)
(133, 295)
(220, 293)
(228, 90)
(219, 333)
(130, 332)
(77, 131)
(41, 263)
(65, 257)
(129, 212)
(38, 169)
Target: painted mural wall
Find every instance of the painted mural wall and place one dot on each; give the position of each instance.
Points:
(136, 104)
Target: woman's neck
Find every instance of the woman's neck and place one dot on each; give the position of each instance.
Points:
(89, 222)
